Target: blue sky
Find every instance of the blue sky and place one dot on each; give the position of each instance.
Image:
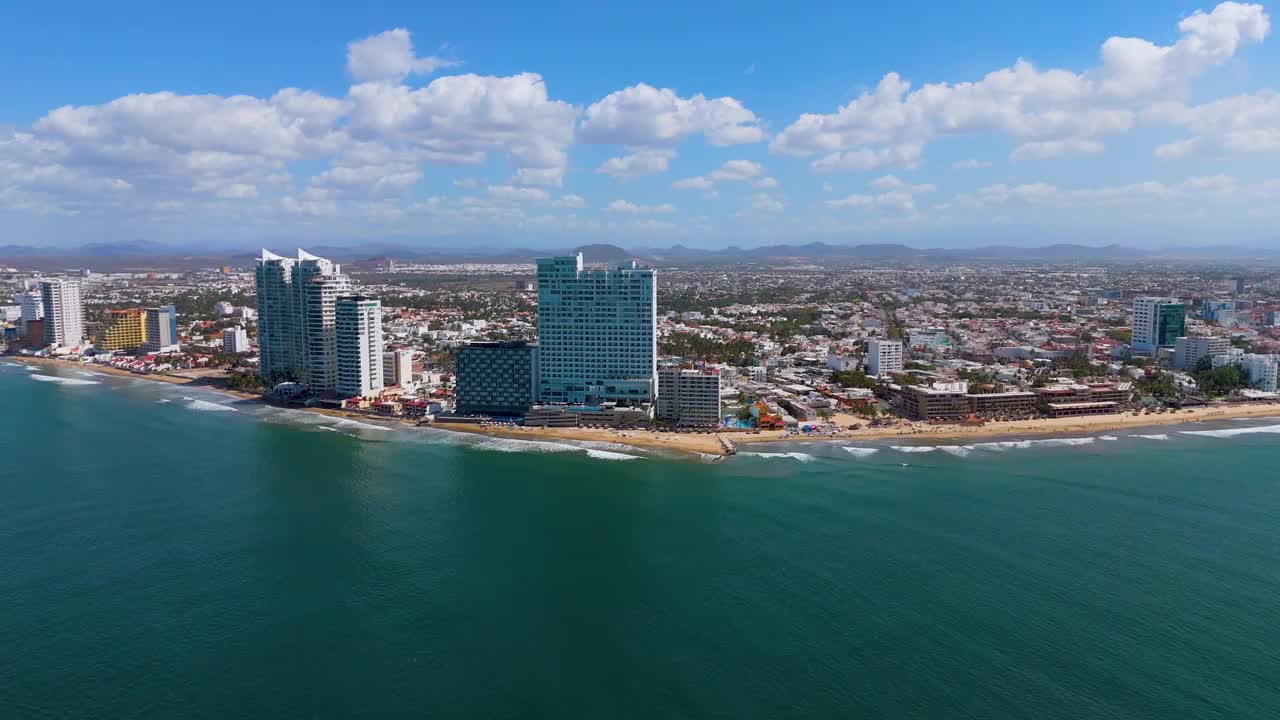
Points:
(1145, 123)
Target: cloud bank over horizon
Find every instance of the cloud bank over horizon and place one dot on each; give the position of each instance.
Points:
(421, 149)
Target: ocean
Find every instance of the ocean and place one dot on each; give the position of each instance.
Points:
(171, 552)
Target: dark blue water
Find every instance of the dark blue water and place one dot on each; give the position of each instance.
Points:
(205, 558)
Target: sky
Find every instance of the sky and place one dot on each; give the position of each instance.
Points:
(493, 125)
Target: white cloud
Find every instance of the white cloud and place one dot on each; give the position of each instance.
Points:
(512, 193)
(389, 57)
(461, 118)
(570, 201)
(626, 207)
(737, 170)
(1047, 149)
(1045, 194)
(1240, 124)
(645, 116)
(637, 164)
(730, 171)
(970, 164)
(1022, 101)
(766, 203)
(693, 183)
(895, 194)
(855, 200)
(904, 156)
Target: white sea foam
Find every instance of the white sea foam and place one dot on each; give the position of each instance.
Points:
(9, 364)
(802, 457)
(1027, 444)
(543, 446)
(63, 380)
(356, 424)
(1268, 429)
(861, 452)
(206, 406)
(609, 455)
(1158, 436)
(86, 373)
(164, 400)
(1108, 438)
(914, 448)
(957, 450)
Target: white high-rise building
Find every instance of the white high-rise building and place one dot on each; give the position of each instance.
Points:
(319, 293)
(1261, 370)
(32, 306)
(1157, 322)
(358, 323)
(296, 318)
(235, 340)
(63, 313)
(596, 329)
(397, 367)
(884, 357)
(279, 327)
(1189, 351)
(162, 330)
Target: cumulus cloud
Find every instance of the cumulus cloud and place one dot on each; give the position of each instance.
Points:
(461, 118)
(693, 183)
(637, 164)
(1046, 194)
(730, 171)
(626, 207)
(970, 164)
(574, 202)
(765, 203)
(1046, 149)
(889, 125)
(512, 193)
(389, 57)
(894, 194)
(645, 116)
(1239, 124)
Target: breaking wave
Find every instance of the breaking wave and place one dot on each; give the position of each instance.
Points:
(802, 457)
(206, 406)
(1158, 436)
(511, 445)
(1232, 432)
(63, 380)
(860, 452)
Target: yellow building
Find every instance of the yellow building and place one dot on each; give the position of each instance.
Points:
(125, 330)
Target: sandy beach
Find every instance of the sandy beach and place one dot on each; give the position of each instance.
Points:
(711, 444)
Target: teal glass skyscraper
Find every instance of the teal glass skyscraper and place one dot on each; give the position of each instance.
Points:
(596, 331)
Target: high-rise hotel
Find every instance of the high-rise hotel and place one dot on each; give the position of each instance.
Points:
(63, 313)
(1157, 322)
(596, 331)
(297, 319)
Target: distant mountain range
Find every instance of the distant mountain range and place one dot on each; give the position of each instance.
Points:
(140, 254)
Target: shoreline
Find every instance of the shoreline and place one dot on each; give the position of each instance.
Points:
(709, 443)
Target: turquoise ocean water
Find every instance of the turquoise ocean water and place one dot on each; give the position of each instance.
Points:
(169, 552)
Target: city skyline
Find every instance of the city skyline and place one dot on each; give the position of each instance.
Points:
(1146, 126)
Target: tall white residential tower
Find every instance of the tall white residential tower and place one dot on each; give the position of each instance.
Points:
(63, 313)
(358, 333)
